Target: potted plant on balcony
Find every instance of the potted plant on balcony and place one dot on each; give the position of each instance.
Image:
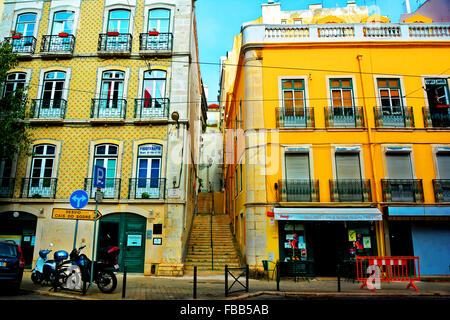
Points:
(145, 195)
(16, 35)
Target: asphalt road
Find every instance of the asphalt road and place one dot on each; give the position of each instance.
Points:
(26, 295)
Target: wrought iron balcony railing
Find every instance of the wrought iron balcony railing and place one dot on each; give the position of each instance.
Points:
(398, 117)
(48, 108)
(7, 187)
(22, 45)
(147, 188)
(63, 43)
(154, 108)
(442, 190)
(294, 190)
(39, 188)
(114, 42)
(402, 190)
(108, 108)
(344, 117)
(350, 190)
(155, 41)
(293, 117)
(111, 190)
(437, 118)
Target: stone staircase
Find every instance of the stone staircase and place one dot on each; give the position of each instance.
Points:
(199, 250)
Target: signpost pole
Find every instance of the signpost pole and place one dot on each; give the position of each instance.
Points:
(93, 245)
(75, 236)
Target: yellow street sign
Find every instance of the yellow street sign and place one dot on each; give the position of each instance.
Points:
(75, 214)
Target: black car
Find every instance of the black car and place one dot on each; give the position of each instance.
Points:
(12, 264)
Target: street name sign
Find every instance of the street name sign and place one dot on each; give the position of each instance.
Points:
(75, 214)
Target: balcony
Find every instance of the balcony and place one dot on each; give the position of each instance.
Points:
(48, 109)
(344, 117)
(111, 190)
(108, 110)
(23, 46)
(344, 32)
(151, 109)
(394, 117)
(115, 44)
(293, 190)
(7, 187)
(39, 188)
(291, 117)
(436, 118)
(59, 46)
(402, 190)
(350, 190)
(442, 190)
(147, 188)
(155, 43)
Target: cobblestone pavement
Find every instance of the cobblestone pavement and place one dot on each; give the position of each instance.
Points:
(212, 287)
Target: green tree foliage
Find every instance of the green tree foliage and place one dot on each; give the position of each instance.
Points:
(14, 133)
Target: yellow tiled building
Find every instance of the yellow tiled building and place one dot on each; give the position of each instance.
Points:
(336, 138)
(109, 83)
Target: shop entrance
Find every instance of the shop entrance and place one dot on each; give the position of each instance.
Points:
(328, 244)
(127, 231)
(21, 228)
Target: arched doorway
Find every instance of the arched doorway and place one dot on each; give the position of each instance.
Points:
(127, 231)
(20, 227)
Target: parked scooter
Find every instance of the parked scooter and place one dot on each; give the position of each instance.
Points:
(41, 274)
(103, 268)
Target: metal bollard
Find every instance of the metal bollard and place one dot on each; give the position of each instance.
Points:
(195, 282)
(124, 285)
(339, 277)
(278, 276)
(226, 280)
(247, 275)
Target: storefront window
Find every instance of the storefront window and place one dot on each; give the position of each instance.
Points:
(293, 242)
(361, 240)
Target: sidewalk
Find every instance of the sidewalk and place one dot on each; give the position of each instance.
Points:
(212, 287)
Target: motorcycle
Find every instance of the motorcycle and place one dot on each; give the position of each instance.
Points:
(38, 275)
(104, 275)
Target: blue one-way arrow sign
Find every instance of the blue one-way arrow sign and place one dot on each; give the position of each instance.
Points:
(79, 199)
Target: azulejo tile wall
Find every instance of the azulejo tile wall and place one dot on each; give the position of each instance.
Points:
(73, 164)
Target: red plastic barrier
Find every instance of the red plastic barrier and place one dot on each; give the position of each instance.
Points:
(387, 269)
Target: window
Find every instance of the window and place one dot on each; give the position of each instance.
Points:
(149, 171)
(25, 24)
(62, 22)
(401, 184)
(106, 155)
(110, 105)
(52, 94)
(6, 178)
(348, 166)
(297, 184)
(342, 102)
(240, 175)
(390, 96)
(348, 185)
(236, 181)
(159, 20)
(119, 21)
(14, 82)
(154, 93)
(293, 95)
(341, 92)
(41, 179)
(443, 164)
(438, 101)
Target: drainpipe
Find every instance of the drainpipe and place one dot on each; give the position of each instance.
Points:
(379, 226)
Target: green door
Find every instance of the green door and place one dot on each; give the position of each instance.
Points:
(127, 231)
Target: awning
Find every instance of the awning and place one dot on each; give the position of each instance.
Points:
(328, 214)
(419, 211)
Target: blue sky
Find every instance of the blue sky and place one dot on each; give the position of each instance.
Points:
(219, 20)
